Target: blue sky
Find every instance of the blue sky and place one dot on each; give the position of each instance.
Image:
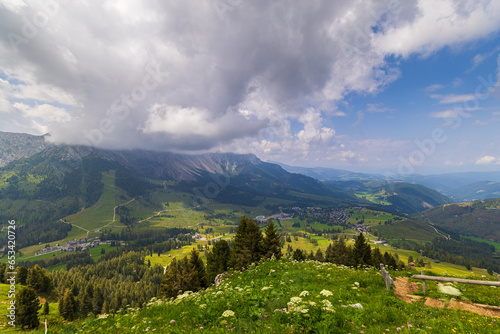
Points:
(373, 86)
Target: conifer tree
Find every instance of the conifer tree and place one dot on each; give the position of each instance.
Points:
(69, 306)
(38, 280)
(217, 260)
(86, 303)
(298, 255)
(272, 242)
(362, 254)
(97, 301)
(195, 273)
(377, 257)
(239, 251)
(311, 255)
(329, 254)
(172, 283)
(22, 275)
(27, 306)
(105, 307)
(319, 255)
(46, 308)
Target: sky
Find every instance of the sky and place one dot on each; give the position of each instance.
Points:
(386, 86)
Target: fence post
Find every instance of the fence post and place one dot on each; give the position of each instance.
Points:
(386, 276)
(424, 285)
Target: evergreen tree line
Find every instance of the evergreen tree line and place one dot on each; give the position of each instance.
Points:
(461, 251)
(356, 256)
(108, 286)
(249, 246)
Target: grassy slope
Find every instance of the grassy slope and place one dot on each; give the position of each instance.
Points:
(256, 295)
(407, 229)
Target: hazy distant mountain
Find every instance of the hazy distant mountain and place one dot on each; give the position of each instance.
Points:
(451, 183)
(476, 191)
(397, 196)
(323, 174)
(14, 146)
(460, 187)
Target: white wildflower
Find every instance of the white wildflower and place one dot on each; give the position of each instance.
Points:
(326, 293)
(228, 313)
(304, 294)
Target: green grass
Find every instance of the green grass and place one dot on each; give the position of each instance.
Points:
(377, 198)
(101, 213)
(489, 242)
(407, 229)
(260, 302)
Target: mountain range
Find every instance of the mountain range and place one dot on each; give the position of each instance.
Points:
(460, 187)
(42, 183)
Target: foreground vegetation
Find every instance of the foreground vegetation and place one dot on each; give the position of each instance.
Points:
(287, 296)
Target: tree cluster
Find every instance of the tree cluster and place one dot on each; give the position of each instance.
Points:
(357, 256)
(249, 246)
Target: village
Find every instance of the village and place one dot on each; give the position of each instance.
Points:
(73, 245)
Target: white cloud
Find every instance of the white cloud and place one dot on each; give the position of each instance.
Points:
(438, 24)
(235, 82)
(435, 87)
(449, 113)
(377, 108)
(486, 160)
(452, 98)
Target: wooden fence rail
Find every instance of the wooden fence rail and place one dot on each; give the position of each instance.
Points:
(451, 279)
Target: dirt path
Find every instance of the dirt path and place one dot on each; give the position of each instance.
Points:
(404, 291)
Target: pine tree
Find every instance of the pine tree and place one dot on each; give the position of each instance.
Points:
(27, 306)
(272, 242)
(217, 259)
(362, 254)
(22, 275)
(319, 255)
(86, 303)
(195, 273)
(172, 283)
(298, 255)
(69, 306)
(97, 301)
(377, 257)
(238, 259)
(253, 242)
(46, 308)
(39, 280)
(105, 307)
(329, 254)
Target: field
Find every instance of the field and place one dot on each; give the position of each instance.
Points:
(377, 198)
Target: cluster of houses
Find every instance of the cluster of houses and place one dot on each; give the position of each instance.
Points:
(73, 245)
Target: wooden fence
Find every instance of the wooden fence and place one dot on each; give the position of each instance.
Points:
(451, 279)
